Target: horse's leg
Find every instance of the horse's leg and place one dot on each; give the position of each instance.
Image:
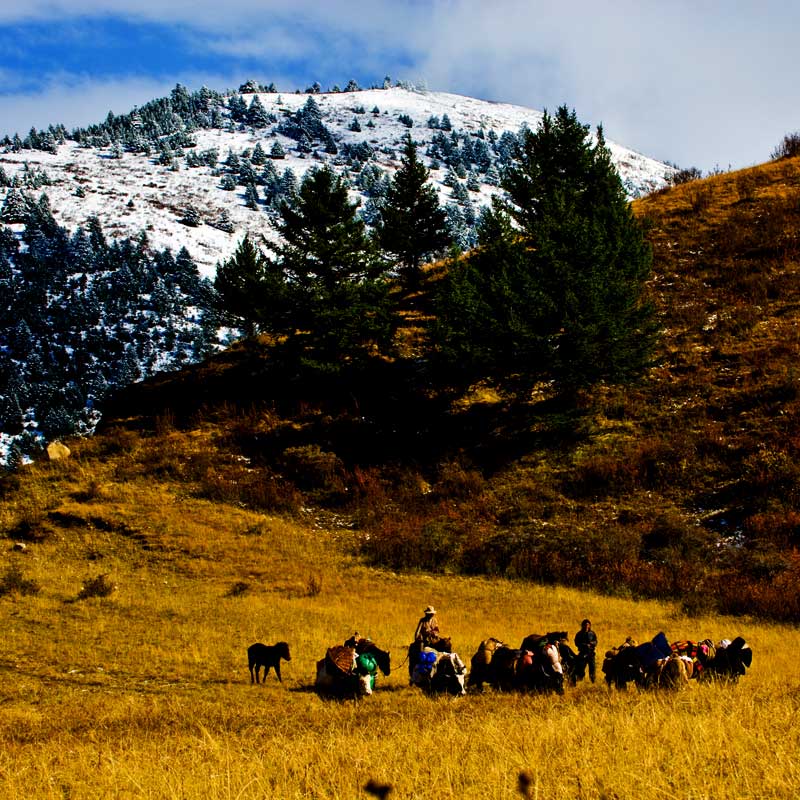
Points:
(277, 666)
(250, 667)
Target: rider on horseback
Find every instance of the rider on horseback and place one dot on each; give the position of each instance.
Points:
(426, 635)
(427, 632)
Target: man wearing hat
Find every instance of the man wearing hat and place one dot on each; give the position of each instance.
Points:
(427, 631)
(586, 642)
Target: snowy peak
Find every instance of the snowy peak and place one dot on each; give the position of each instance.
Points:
(216, 175)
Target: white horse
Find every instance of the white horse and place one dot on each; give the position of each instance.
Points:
(441, 673)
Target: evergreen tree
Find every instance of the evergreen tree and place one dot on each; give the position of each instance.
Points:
(336, 283)
(277, 151)
(232, 161)
(257, 115)
(223, 222)
(191, 217)
(259, 157)
(556, 290)
(238, 108)
(251, 196)
(15, 207)
(245, 289)
(414, 225)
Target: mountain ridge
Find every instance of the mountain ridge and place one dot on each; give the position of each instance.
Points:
(132, 192)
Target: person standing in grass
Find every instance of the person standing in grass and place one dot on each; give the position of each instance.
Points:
(586, 642)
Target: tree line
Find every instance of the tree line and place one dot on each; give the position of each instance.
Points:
(554, 291)
(81, 316)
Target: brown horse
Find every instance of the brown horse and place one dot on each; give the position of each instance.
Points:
(481, 664)
(673, 672)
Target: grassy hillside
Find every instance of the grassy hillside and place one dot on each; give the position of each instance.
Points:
(234, 503)
(145, 692)
(685, 485)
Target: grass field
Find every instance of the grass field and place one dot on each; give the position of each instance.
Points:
(145, 693)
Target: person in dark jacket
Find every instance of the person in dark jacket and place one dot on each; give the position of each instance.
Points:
(586, 642)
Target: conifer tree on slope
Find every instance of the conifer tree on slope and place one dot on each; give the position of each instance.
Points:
(336, 283)
(241, 284)
(325, 293)
(559, 294)
(414, 225)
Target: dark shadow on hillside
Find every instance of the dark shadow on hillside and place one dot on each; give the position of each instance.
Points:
(368, 415)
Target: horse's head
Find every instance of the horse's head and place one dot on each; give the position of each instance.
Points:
(384, 659)
(444, 644)
(567, 654)
(282, 648)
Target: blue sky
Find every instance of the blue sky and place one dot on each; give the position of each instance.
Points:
(700, 84)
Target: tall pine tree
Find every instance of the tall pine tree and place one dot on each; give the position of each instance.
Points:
(414, 225)
(338, 289)
(557, 290)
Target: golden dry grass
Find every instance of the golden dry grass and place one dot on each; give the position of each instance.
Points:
(146, 693)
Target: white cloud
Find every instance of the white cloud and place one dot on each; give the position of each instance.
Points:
(78, 101)
(697, 83)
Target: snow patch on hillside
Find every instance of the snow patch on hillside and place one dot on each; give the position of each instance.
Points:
(134, 193)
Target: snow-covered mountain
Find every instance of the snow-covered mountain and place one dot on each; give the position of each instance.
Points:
(133, 191)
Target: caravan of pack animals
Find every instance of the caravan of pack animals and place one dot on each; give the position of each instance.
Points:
(542, 662)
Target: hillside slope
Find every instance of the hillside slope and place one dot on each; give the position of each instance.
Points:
(230, 503)
(684, 485)
(126, 622)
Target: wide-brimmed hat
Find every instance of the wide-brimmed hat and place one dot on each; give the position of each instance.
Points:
(429, 610)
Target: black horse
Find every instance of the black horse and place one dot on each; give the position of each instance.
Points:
(442, 645)
(622, 666)
(268, 656)
(730, 662)
(528, 669)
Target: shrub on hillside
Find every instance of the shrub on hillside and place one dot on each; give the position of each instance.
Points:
(644, 464)
(242, 485)
(789, 147)
(456, 481)
(780, 527)
(311, 467)
(31, 526)
(98, 586)
(685, 175)
(13, 581)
